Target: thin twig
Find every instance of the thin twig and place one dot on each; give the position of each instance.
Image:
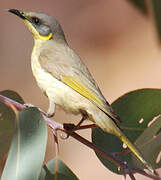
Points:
(147, 174)
(56, 142)
(57, 126)
(82, 127)
(7, 101)
(122, 152)
(132, 176)
(124, 175)
(106, 155)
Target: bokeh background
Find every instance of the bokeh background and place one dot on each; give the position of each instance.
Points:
(117, 43)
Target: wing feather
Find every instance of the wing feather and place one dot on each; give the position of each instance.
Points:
(67, 67)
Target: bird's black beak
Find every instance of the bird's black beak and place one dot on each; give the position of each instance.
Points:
(17, 12)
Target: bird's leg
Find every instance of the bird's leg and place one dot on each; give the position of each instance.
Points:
(51, 110)
(84, 117)
(72, 127)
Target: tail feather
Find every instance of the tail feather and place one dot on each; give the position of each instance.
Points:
(108, 125)
(135, 150)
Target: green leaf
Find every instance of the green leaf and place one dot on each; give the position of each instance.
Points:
(28, 147)
(7, 121)
(140, 4)
(136, 109)
(157, 15)
(153, 7)
(56, 169)
(108, 144)
(150, 144)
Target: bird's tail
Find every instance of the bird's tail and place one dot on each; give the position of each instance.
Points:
(135, 150)
(110, 126)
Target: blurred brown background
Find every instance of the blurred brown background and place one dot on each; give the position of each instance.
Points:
(116, 42)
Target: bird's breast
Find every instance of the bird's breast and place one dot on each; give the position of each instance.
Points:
(61, 94)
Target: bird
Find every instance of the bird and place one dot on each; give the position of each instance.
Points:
(66, 81)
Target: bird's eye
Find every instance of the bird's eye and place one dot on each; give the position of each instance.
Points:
(35, 20)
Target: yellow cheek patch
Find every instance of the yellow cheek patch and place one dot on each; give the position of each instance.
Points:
(81, 89)
(46, 37)
(36, 33)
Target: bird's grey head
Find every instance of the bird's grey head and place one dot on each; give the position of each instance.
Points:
(42, 26)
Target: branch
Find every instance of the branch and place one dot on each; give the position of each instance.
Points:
(126, 169)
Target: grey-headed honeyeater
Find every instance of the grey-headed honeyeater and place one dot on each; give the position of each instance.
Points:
(65, 79)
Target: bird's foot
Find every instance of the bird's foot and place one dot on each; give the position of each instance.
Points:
(70, 128)
(49, 115)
